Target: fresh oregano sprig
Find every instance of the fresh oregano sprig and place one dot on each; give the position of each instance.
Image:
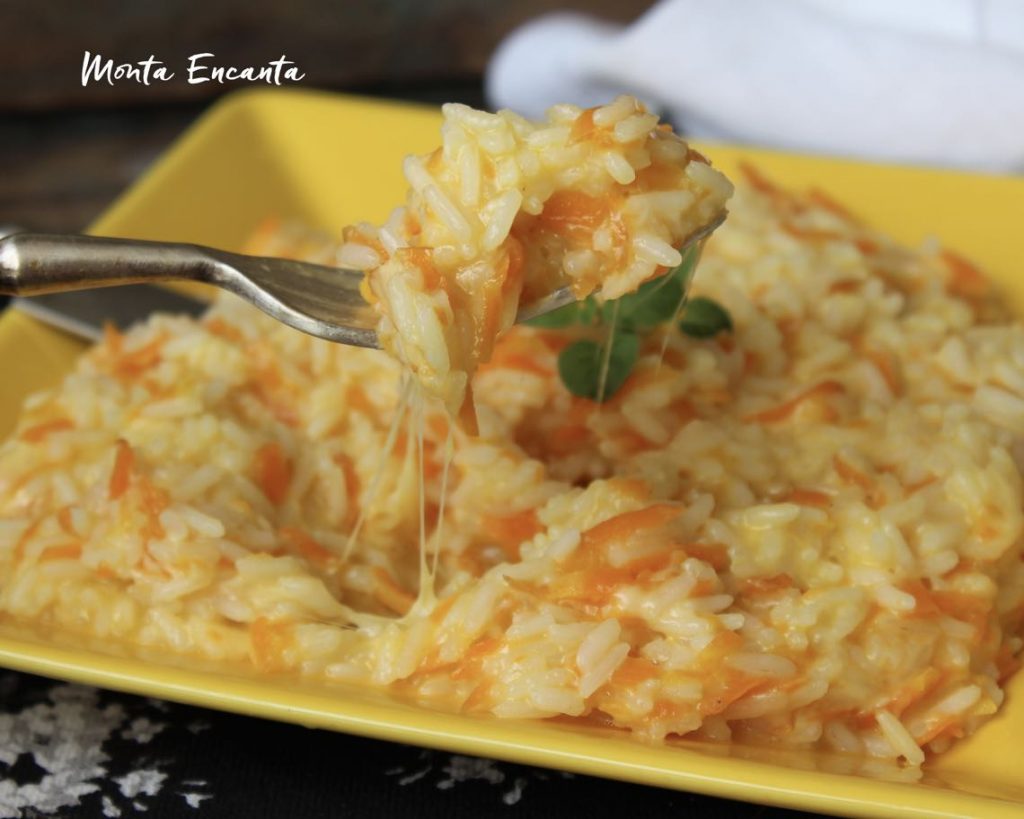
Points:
(581, 363)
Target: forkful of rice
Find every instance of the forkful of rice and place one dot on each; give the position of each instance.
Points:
(508, 220)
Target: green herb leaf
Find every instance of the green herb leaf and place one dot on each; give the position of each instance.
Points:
(657, 300)
(704, 318)
(588, 310)
(580, 364)
(654, 302)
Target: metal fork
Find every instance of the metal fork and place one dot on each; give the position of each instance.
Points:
(319, 300)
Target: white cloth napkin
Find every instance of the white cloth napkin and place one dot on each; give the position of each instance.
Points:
(937, 82)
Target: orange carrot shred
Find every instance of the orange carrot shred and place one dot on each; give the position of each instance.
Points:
(965, 279)
(809, 497)
(303, 543)
(786, 409)
(66, 551)
(511, 531)
(389, 593)
(39, 432)
(623, 526)
(273, 472)
(121, 475)
(269, 642)
(849, 473)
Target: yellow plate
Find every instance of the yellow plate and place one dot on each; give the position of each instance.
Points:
(329, 160)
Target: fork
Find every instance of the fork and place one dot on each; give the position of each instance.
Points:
(316, 299)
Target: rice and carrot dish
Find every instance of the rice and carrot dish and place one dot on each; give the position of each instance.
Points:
(805, 529)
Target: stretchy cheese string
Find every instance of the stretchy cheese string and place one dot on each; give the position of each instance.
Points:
(389, 445)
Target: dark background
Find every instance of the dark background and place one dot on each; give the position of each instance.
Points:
(66, 153)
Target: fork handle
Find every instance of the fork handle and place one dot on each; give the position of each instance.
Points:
(36, 263)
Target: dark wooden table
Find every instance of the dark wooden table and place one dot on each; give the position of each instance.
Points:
(136, 755)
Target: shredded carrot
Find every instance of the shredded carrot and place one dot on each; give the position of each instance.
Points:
(574, 214)
(357, 399)
(727, 686)
(112, 337)
(568, 438)
(783, 411)
(888, 366)
(466, 416)
(964, 607)
(808, 497)
(355, 234)
(422, 259)
(916, 690)
(389, 593)
(965, 279)
(273, 471)
(133, 364)
(153, 501)
(30, 530)
(442, 609)
(480, 699)
(723, 643)
(693, 155)
(669, 710)
(661, 176)
(715, 555)
(624, 526)
(511, 531)
(352, 484)
(633, 671)
(260, 239)
(39, 432)
(64, 519)
(849, 473)
(121, 474)
(470, 664)
(66, 551)
(758, 181)
(632, 441)
(811, 234)
(584, 128)
(516, 259)
(268, 384)
(943, 725)
(917, 486)
(219, 327)
(593, 587)
(303, 543)
(716, 397)
(926, 606)
(269, 642)
(824, 200)
(1006, 663)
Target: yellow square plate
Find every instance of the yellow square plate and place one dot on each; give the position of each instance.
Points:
(329, 160)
